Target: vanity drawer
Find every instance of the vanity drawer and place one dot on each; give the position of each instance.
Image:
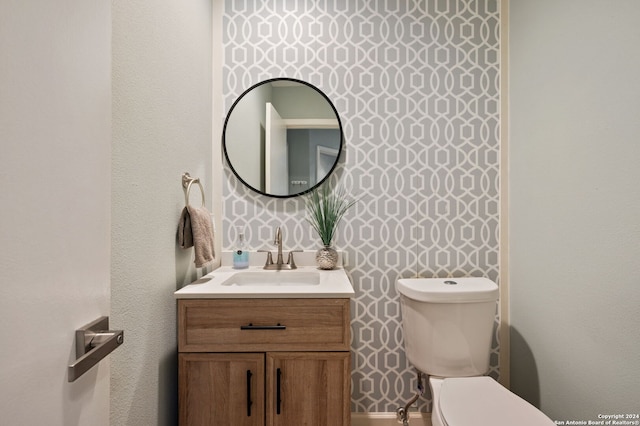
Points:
(250, 325)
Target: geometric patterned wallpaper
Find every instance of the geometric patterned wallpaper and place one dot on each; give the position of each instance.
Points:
(416, 84)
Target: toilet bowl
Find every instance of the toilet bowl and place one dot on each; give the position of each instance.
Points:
(448, 329)
(480, 401)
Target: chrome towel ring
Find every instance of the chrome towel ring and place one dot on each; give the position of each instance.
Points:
(187, 181)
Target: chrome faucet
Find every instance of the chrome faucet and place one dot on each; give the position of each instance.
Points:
(279, 264)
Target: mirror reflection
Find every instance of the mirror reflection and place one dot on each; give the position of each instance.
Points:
(282, 137)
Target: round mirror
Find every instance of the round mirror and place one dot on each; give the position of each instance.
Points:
(282, 137)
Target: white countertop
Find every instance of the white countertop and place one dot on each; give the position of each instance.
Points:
(332, 284)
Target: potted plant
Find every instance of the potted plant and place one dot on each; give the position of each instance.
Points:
(325, 208)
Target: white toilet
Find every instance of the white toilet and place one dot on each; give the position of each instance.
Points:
(448, 326)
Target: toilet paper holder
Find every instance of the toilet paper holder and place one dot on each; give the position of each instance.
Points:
(94, 341)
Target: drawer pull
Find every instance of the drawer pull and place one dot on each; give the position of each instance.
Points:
(263, 327)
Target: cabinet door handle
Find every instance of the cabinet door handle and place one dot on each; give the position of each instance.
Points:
(278, 390)
(263, 327)
(249, 402)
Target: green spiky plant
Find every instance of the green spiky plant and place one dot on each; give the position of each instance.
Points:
(325, 208)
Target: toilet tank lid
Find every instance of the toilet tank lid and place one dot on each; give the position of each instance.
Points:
(448, 290)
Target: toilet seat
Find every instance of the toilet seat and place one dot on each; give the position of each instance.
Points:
(481, 401)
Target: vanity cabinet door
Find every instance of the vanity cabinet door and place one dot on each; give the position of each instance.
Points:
(308, 388)
(221, 389)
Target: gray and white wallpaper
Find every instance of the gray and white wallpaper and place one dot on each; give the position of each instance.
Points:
(416, 84)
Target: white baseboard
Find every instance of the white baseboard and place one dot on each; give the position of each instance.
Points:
(388, 419)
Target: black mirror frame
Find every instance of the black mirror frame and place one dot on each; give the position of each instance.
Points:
(224, 141)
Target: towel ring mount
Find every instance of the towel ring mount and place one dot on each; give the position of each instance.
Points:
(187, 181)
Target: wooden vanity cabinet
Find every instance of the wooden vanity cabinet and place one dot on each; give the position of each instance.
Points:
(273, 362)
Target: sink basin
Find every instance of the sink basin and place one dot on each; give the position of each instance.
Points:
(278, 278)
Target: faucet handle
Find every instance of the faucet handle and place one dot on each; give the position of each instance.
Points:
(290, 261)
(269, 257)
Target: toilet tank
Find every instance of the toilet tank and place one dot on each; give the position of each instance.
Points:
(448, 324)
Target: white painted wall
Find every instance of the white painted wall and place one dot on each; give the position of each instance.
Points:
(55, 177)
(162, 109)
(575, 205)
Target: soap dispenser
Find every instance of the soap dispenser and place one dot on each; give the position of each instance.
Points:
(240, 253)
